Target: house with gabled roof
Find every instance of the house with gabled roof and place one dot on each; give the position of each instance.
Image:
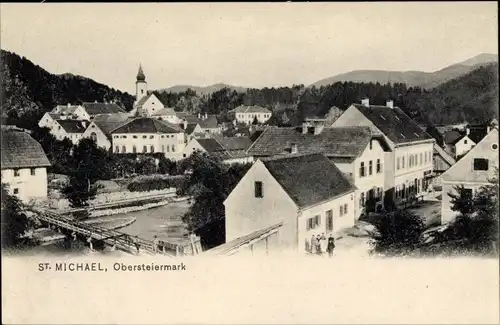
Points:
(70, 111)
(101, 126)
(95, 108)
(354, 150)
(24, 165)
(473, 170)
(247, 114)
(229, 149)
(458, 143)
(409, 165)
(69, 129)
(145, 135)
(306, 195)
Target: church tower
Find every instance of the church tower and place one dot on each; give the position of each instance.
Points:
(141, 86)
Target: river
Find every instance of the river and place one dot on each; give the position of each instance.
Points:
(162, 221)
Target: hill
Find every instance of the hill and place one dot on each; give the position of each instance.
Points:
(28, 91)
(202, 90)
(412, 78)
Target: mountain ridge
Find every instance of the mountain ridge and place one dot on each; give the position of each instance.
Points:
(412, 78)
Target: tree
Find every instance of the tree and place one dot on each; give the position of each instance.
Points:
(434, 132)
(477, 221)
(398, 232)
(209, 184)
(14, 221)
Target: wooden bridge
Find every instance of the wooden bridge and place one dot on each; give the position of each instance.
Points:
(115, 238)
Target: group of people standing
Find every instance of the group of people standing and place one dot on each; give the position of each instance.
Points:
(320, 244)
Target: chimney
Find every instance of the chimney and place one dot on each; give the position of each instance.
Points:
(206, 116)
(84, 124)
(95, 101)
(185, 123)
(294, 148)
(467, 130)
(199, 115)
(488, 129)
(69, 104)
(390, 103)
(365, 102)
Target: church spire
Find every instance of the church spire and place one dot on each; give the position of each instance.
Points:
(140, 74)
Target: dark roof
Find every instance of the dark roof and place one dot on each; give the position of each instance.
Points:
(235, 143)
(109, 122)
(394, 123)
(102, 108)
(477, 133)
(332, 141)
(210, 122)
(64, 109)
(147, 125)
(308, 179)
(72, 126)
(452, 137)
(20, 150)
(141, 101)
(140, 75)
(211, 145)
(189, 127)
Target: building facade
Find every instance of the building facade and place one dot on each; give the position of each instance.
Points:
(147, 135)
(24, 166)
(290, 192)
(247, 114)
(473, 170)
(409, 164)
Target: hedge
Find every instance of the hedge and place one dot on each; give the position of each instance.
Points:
(145, 184)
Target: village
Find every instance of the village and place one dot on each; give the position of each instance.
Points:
(323, 185)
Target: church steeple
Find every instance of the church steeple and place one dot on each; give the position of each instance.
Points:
(141, 86)
(140, 75)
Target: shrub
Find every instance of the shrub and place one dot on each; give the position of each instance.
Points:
(152, 183)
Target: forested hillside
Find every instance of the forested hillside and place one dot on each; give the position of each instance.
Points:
(28, 91)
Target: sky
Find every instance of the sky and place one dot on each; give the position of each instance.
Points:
(245, 44)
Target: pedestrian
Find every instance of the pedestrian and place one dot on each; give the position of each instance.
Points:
(155, 244)
(318, 244)
(331, 245)
(313, 244)
(136, 241)
(323, 243)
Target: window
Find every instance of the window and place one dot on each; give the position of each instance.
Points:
(144, 136)
(124, 137)
(362, 200)
(144, 149)
(370, 168)
(341, 211)
(168, 148)
(152, 149)
(258, 190)
(16, 191)
(162, 148)
(465, 141)
(151, 136)
(93, 136)
(379, 166)
(362, 169)
(310, 223)
(421, 159)
(16, 172)
(425, 157)
(117, 149)
(494, 146)
(33, 171)
(124, 150)
(134, 149)
(371, 145)
(397, 163)
(329, 220)
(142, 91)
(134, 136)
(403, 162)
(480, 164)
(173, 148)
(345, 208)
(468, 193)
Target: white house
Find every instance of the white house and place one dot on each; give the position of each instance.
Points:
(247, 114)
(458, 143)
(304, 194)
(472, 171)
(101, 125)
(409, 164)
(76, 112)
(24, 166)
(148, 136)
(354, 150)
(69, 129)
